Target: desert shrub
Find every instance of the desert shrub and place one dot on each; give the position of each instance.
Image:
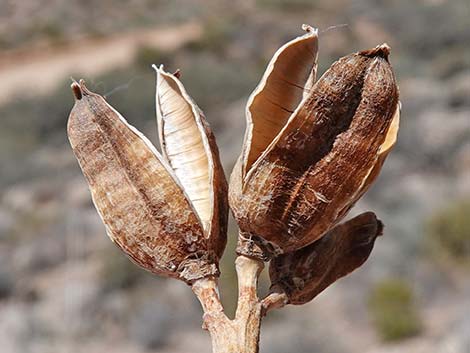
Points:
(146, 56)
(214, 83)
(292, 5)
(52, 30)
(4, 44)
(6, 285)
(150, 325)
(448, 232)
(117, 271)
(393, 310)
(37, 116)
(214, 37)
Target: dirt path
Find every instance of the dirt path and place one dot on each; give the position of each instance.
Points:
(39, 70)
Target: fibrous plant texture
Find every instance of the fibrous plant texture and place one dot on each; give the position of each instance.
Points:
(311, 149)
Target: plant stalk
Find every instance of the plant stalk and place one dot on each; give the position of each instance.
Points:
(240, 335)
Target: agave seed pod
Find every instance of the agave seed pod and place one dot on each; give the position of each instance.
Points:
(189, 146)
(311, 151)
(305, 273)
(141, 200)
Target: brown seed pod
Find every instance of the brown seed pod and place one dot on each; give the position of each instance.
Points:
(189, 146)
(294, 183)
(305, 273)
(143, 204)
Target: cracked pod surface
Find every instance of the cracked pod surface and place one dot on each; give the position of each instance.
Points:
(311, 149)
(305, 273)
(144, 206)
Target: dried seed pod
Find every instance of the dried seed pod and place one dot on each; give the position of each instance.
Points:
(305, 273)
(294, 182)
(189, 146)
(144, 206)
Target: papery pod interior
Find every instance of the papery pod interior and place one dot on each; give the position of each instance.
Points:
(143, 206)
(189, 146)
(305, 273)
(321, 161)
(287, 80)
(289, 77)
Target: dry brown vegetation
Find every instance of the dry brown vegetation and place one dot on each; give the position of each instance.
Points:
(58, 289)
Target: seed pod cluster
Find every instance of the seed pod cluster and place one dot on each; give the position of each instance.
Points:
(311, 148)
(305, 273)
(146, 200)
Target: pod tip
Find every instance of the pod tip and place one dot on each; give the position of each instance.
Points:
(177, 73)
(380, 228)
(382, 50)
(76, 90)
(158, 68)
(309, 29)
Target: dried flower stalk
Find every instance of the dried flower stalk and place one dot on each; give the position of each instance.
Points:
(311, 150)
(240, 335)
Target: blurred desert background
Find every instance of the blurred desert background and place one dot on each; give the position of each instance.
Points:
(65, 288)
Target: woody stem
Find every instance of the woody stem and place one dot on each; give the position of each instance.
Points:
(274, 300)
(240, 335)
(248, 314)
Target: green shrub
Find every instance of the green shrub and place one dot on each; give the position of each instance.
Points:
(448, 232)
(392, 308)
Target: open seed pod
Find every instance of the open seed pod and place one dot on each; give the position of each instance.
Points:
(189, 146)
(143, 202)
(305, 273)
(311, 149)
